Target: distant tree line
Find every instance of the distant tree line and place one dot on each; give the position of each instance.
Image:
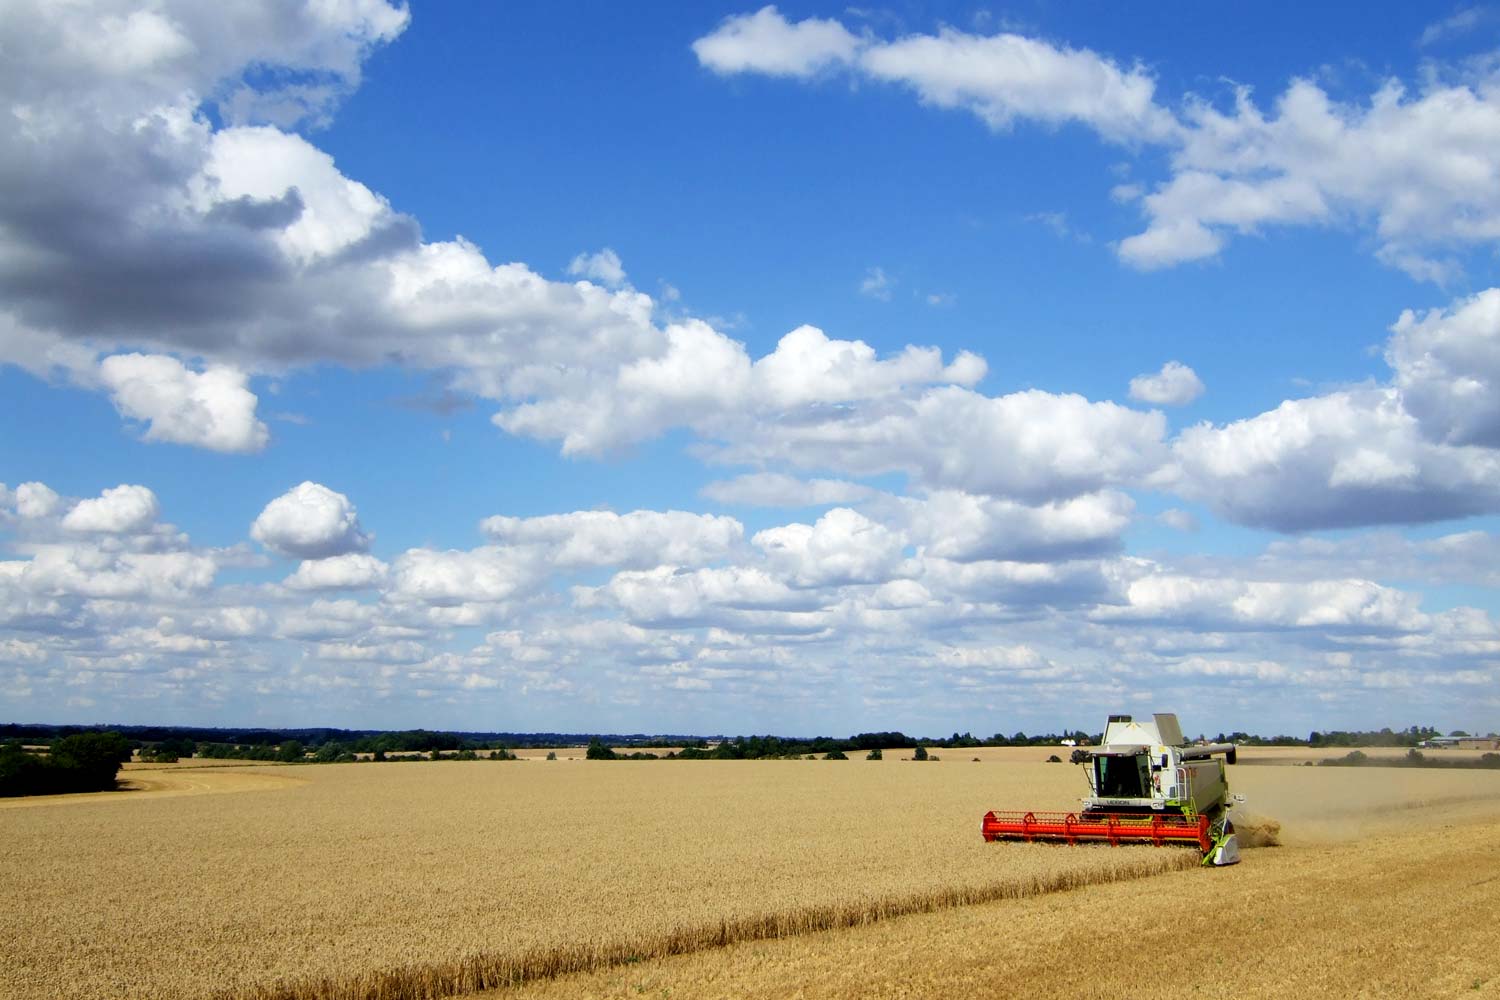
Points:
(1387, 737)
(1415, 758)
(1376, 738)
(81, 762)
(356, 740)
(378, 749)
(167, 751)
(286, 752)
(329, 745)
(1252, 740)
(784, 748)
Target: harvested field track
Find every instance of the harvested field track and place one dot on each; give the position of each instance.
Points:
(418, 880)
(150, 781)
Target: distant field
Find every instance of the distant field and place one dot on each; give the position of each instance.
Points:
(141, 782)
(341, 880)
(192, 763)
(1300, 755)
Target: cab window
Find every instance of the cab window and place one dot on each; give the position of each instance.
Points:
(1123, 777)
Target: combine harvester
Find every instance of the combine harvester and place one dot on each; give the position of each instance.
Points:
(1149, 787)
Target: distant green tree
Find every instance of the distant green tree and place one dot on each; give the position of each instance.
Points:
(598, 751)
(551, 754)
(21, 772)
(168, 751)
(331, 751)
(920, 753)
(94, 758)
(289, 751)
(82, 762)
(835, 755)
(875, 755)
(182, 747)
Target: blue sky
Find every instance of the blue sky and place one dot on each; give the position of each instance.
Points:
(794, 369)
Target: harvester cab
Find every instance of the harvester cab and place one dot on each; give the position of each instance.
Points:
(1148, 785)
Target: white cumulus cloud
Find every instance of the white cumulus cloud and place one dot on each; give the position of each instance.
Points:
(1447, 367)
(1421, 165)
(964, 527)
(727, 596)
(1351, 604)
(706, 381)
(1348, 458)
(123, 510)
(36, 500)
(210, 409)
(638, 540)
(1419, 448)
(775, 489)
(1418, 163)
(351, 571)
(1007, 77)
(1175, 385)
(310, 521)
(841, 547)
(1000, 78)
(328, 213)
(455, 576)
(1054, 445)
(765, 42)
(604, 267)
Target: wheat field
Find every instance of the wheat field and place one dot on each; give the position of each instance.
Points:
(422, 879)
(358, 879)
(1393, 915)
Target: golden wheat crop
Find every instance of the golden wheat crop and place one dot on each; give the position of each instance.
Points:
(409, 879)
(420, 879)
(1397, 914)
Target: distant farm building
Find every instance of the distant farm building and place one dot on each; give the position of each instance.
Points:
(1463, 743)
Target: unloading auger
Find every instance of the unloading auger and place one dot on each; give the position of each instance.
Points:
(1149, 787)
